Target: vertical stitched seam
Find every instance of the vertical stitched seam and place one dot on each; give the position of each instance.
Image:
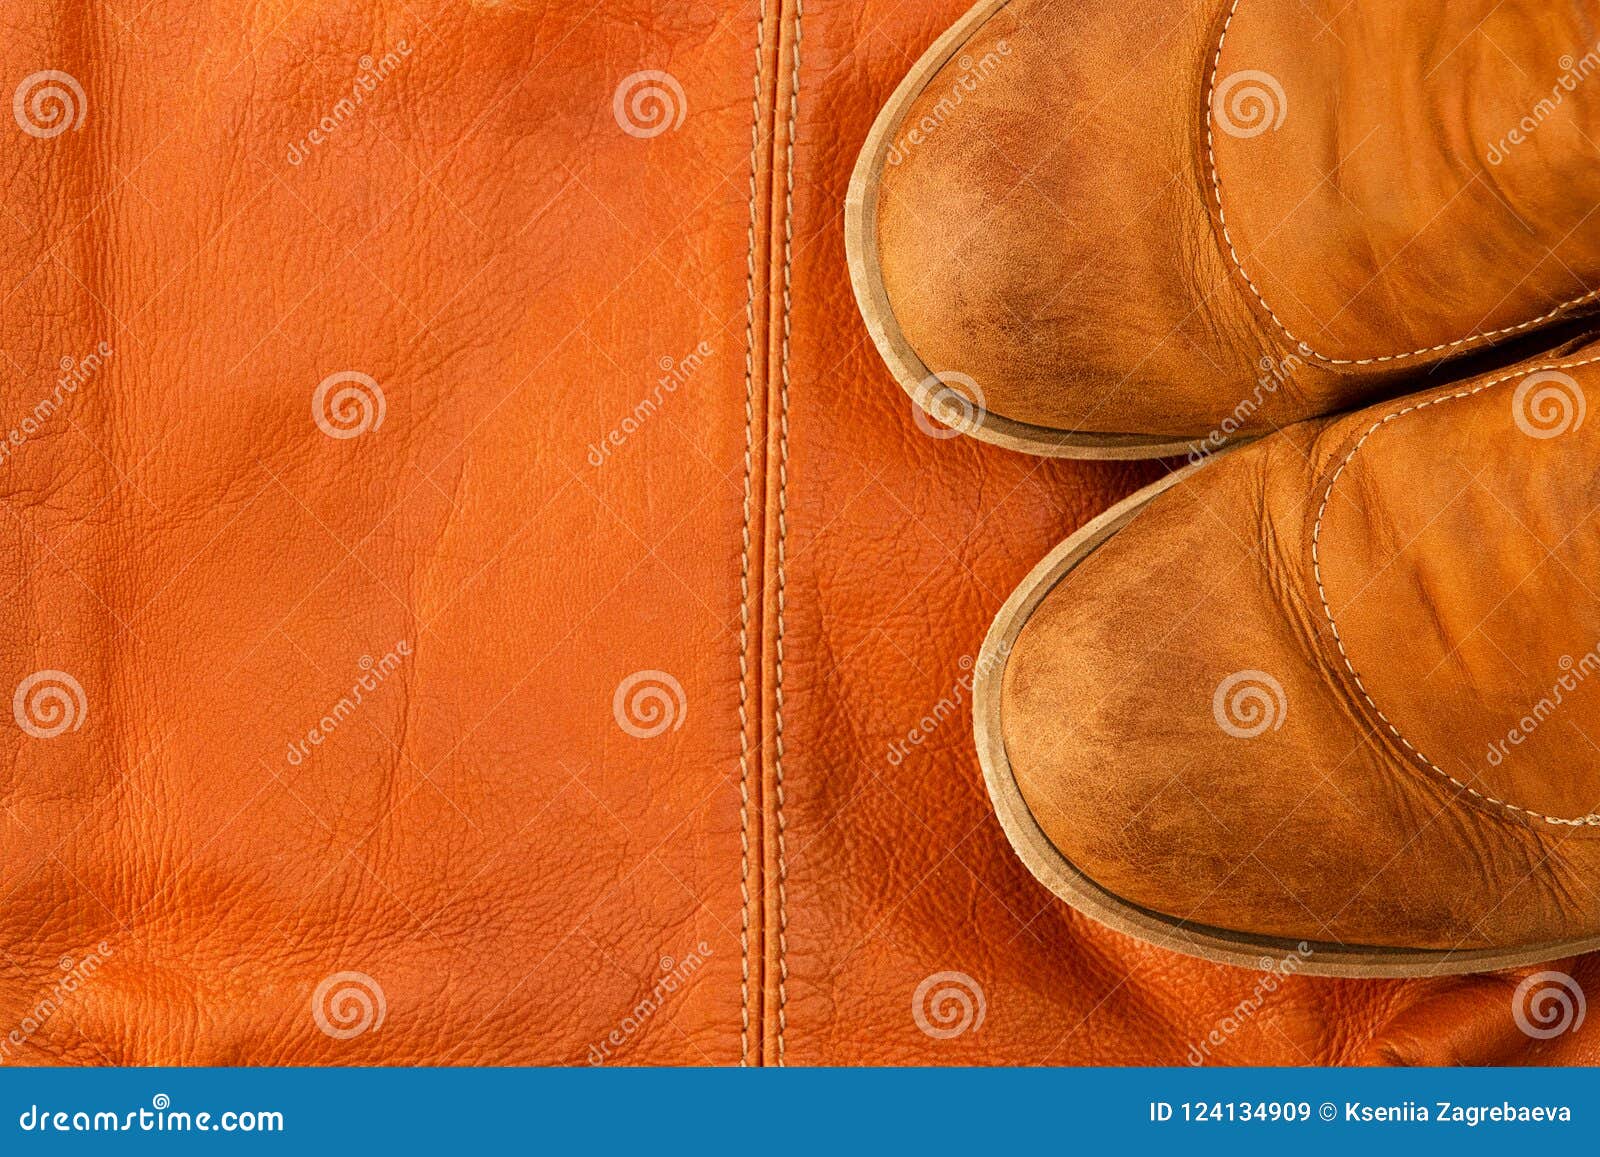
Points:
(783, 530)
(744, 560)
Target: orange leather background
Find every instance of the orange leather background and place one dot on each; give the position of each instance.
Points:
(481, 839)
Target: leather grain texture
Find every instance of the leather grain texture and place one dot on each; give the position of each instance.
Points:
(477, 842)
(636, 457)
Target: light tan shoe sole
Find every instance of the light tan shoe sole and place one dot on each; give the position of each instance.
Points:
(866, 276)
(1058, 873)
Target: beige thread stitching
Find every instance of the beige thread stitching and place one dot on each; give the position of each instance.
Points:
(744, 559)
(783, 533)
(1238, 264)
(1316, 566)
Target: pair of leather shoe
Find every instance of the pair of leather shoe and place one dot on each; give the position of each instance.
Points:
(1333, 688)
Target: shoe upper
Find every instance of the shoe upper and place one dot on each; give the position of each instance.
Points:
(1206, 217)
(1342, 684)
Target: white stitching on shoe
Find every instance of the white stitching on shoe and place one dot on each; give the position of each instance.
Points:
(1589, 820)
(1238, 264)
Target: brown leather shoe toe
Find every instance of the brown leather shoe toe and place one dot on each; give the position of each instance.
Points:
(1120, 229)
(1336, 693)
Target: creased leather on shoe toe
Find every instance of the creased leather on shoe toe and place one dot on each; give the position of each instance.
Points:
(1206, 217)
(1344, 684)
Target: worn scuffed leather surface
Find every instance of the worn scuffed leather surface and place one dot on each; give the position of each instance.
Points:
(481, 838)
(1265, 705)
(1121, 217)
